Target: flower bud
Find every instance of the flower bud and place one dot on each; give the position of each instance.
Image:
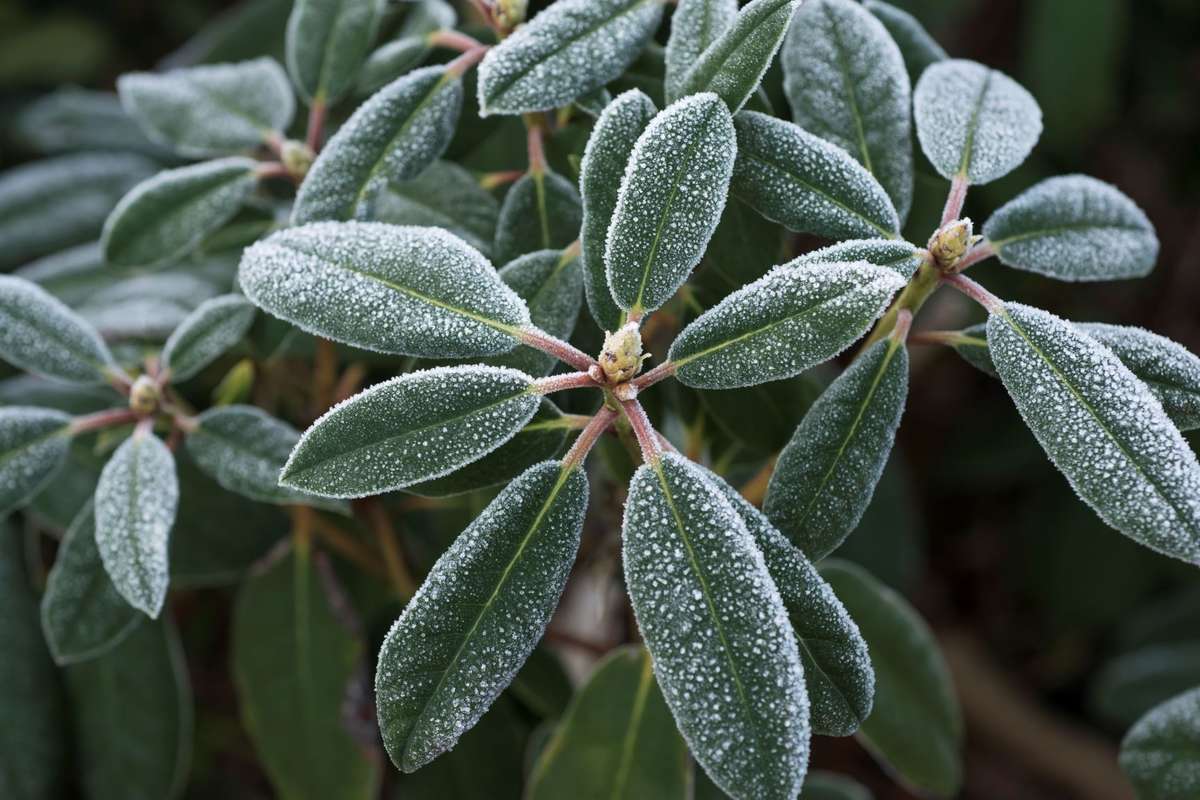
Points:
(297, 157)
(143, 396)
(951, 242)
(622, 356)
(510, 13)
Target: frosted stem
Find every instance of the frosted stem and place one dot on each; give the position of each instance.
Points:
(563, 351)
(588, 437)
(102, 419)
(453, 40)
(647, 437)
(979, 252)
(661, 372)
(559, 383)
(272, 169)
(316, 124)
(955, 200)
(973, 290)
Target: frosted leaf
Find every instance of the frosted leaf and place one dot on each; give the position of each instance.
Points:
(136, 501)
(918, 48)
(33, 448)
(327, 44)
(972, 347)
(845, 80)
(393, 136)
(1145, 673)
(551, 284)
(723, 649)
(743, 248)
(393, 289)
(733, 66)
(974, 121)
(566, 51)
(419, 426)
(807, 184)
(896, 255)
(1161, 753)
(542, 210)
(40, 334)
(1102, 428)
(215, 326)
(1074, 228)
(83, 615)
(604, 161)
(169, 215)
(443, 196)
(59, 202)
(782, 324)
(147, 307)
(837, 668)
(244, 448)
(71, 119)
(695, 24)
(71, 275)
(826, 476)
(594, 102)
(478, 615)
(391, 61)
(670, 201)
(210, 110)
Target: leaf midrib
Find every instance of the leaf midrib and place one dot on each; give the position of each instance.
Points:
(848, 86)
(964, 164)
(629, 742)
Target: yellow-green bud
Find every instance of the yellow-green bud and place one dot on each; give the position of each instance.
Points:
(143, 396)
(622, 356)
(510, 13)
(951, 242)
(297, 157)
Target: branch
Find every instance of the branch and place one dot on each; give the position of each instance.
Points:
(316, 124)
(453, 40)
(973, 290)
(647, 437)
(101, 419)
(979, 252)
(661, 372)
(563, 351)
(463, 64)
(559, 383)
(955, 200)
(588, 438)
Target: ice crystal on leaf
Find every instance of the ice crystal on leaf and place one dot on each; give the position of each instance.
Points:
(215, 326)
(1161, 752)
(33, 447)
(695, 24)
(40, 334)
(897, 255)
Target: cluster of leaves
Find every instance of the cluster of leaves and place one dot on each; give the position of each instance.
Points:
(753, 639)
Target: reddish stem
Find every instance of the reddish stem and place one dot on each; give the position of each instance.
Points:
(903, 324)
(647, 437)
(979, 252)
(537, 149)
(102, 419)
(491, 180)
(453, 40)
(661, 372)
(316, 124)
(272, 169)
(274, 143)
(973, 290)
(459, 66)
(559, 383)
(588, 437)
(563, 351)
(955, 200)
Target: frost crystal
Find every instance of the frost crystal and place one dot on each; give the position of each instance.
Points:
(33, 446)
(40, 334)
(215, 326)
(695, 24)
(897, 255)
(1159, 753)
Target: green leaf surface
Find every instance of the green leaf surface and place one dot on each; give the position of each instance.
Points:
(670, 201)
(542, 210)
(443, 196)
(807, 184)
(33, 448)
(213, 328)
(566, 51)
(899, 256)
(478, 615)
(327, 42)
(1161, 753)
(543, 686)
(724, 655)
(40, 334)
(918, 48)
(743, 248)
(388, 288)
(1131, 684)
(389, 61)
(831, 786)
(71, 120)
(776, 408)
(551, 284)
(695, 24)
(782, 324)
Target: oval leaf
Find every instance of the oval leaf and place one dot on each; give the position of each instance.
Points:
(896, 255)
(1128, 686)
(551, 284)
(215, 326)
(974, 121)
(542, 210)
(725, 658)
(33, 448)
(479, 614)
(1161, 753)
(443, 196)
(40, 334)
(782, 324)
(695, 24)
(327, 44)
(404, 290)
(918, 48)
(391, 61)
(71, 120)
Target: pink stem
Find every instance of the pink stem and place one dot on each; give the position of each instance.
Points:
(661, 372)
(973, 290)
(102, 419)
(274, 143)
(537, 150)
(272, 169)
(646, 435)
(491, 180)
(453, 40)
(955, 200)
(316, 124)
(979, 252)
(588, 437)
(903, 324)
(461, 65)
(563, 351)
(558, 383)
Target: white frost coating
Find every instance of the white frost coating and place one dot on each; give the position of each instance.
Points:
(1074, 228)
(695, 24)
(413, 428)
(40, 334)
(916, 45)
(210, 110)
(136, 501)
(327, 43)
(389, 288)
(1161, 752)
(148, 306)
(846, 82)
(33, 446)
(1102, 428)
(671, 199)
(974, 120)
(898, 255)
(782, 324)
(723, 649)
(566, 51)
(215, 326)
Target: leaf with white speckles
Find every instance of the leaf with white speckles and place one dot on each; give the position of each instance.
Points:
(443, 196)
(971, 345)
(393, 289)
(136, 500)
(327, 43)
(210, 110)
(807, 184)
(846, 82)
(478, 615)
(419, 426)
(695, 24)
(541, 211)
(393, 136)
(974, 121)
(897, 255)
(71, 120)
(33, 448)
(782, 324)
(1161, 753)
(566, 51)
(826, 475)
(1074, 228)
(551, 284)
(918, 48)
(1102, 428)
(215, 326)
(604, 161)
(723, 649)
(40, 334)
(670, 201)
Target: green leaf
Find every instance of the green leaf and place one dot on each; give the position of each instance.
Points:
(695, 24)
(419, 426)
(776, 408)
(33, 448)
(670, 201)
(1161, 753)
(916, 726)
(393, 136)
(846, 83)
(1129, 685)
(918, 48)
(604, 161)
(724, 655)
(971, 345)
(404, 290)
(479, 614)
(40, 334)
(390, 61)
(541, 211)
(327, 43)
(974, 121)
(896, 255)
(807, 184)
(543, 686)
(551, 284)
(136, 500)
(1101, 427)
(617, 739)
(295, 665)
(215, 326)
(566, 51)
(443, 196)
(830, 786)
(71, 120)
(826, 476)
(782, 324)
(132, 709)
(83, 615)
(1074, 228)
(743, 248)
(733, 66)
(210, 110)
